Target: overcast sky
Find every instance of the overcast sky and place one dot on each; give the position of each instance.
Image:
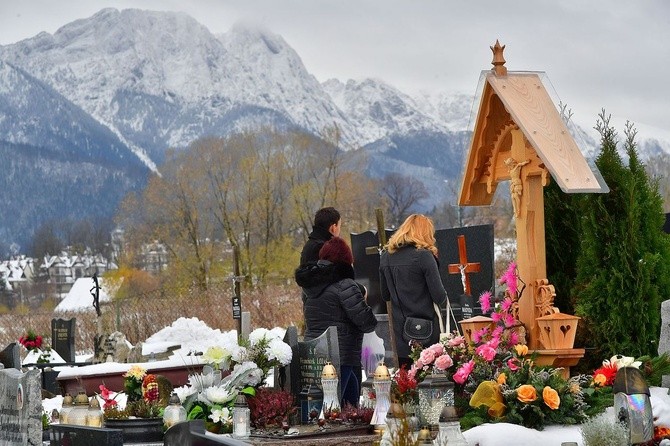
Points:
(612, 54)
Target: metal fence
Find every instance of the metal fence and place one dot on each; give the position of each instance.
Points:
(139, 317)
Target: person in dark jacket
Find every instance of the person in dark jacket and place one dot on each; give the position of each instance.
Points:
(333, 298)
(327, 224)
(409, 278)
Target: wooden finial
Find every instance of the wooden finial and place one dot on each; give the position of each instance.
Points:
(498, 59)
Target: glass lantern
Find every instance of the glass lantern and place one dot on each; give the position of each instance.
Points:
(329, 382)
(79, 412)
(94, 413)
(435, 392)
(450, 428)
(68, 405)
(174, 413)
(241, 418)
(394, 421)
(382, 385)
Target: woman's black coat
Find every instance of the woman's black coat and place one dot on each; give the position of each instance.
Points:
(333, 298)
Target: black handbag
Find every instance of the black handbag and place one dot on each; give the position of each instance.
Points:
(417, 328)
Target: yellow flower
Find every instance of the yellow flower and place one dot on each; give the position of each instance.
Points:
(502, 378)
(599, 379)
(136, 372)
(551, 398)
(526, 393)
(521, 349)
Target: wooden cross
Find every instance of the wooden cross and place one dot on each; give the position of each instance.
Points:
(463, 267)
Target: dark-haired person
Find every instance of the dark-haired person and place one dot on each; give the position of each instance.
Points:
(327, 224)
(333, 298)
(409, 278)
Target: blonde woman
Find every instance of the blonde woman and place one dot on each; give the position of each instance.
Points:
(410, 279)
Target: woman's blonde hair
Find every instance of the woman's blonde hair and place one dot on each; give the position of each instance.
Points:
(417, 230)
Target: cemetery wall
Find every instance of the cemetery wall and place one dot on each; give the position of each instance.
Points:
(141, 316)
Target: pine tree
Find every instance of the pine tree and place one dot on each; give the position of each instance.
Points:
(622, 267)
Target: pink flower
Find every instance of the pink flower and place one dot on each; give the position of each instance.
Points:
(438, 349)
(443, 362)
(486, 351)
(506, 304)
(479, 334)
(412, 372)
(497, 333)
(494, 342)
(485, 300)
(462, 373)
(512, 364)
(497, 317)
(513, 339)
(509, 320)
(510, 279)
(427, 356)
(457, 341)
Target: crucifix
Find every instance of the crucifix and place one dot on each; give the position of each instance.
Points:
(464, 267)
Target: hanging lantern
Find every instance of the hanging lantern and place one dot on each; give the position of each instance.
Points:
(329, 382)
(631, 404)
(241, 418)
(435, 392)
(450, 428)
(174, 412)
(382, 385)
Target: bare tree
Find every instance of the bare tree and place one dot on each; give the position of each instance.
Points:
(402, 194)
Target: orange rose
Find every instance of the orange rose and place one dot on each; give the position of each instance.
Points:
(599, 379)
(551, 398)
(502, 378)
(526, 393)
(521, 349)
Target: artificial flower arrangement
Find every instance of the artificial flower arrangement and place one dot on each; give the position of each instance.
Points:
(147, 395)
(496, 380)
(233, 369)
(35, 343)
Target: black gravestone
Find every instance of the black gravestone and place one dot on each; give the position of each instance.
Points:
(312, 356)
(666, 226)
(366, 266)
(289, 375)
(62, 338)
(10, 357)
(479, 249)
(71, 435)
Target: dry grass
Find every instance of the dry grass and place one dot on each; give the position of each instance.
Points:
(141, 316)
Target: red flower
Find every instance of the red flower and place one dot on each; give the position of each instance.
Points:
(608, 371)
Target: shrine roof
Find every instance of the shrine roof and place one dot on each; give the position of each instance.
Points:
(520, 100)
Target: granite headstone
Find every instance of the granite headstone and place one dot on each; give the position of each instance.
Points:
(664, 340)
(10, 357)
(312, 356)
(71, 435)
(62, 338)
(20, 407)
(366, 266)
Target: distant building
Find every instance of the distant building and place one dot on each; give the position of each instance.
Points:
(64, 269)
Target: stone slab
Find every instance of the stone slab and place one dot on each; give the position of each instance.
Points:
(70, 435)
(20, 407)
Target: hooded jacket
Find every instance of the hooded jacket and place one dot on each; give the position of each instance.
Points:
(315, 241)
(333, 298)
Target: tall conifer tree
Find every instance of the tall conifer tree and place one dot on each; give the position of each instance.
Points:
(624, 260)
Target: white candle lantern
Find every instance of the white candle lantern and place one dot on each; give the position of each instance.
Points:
(382, 385)
(174, 412)
(329, 382)
(241, 418)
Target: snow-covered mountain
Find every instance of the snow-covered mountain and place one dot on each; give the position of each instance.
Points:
(140, 82)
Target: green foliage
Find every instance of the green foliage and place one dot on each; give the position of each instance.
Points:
(654, 368)
(562, 234)
(622, 267)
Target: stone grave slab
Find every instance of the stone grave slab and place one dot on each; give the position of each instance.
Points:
(664, 340)
(70, 435)
(62, 337)
(311, 356)
(10, 357)
(20, 407)
(366, 266)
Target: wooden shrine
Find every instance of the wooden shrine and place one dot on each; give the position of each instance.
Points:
(519, 136)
